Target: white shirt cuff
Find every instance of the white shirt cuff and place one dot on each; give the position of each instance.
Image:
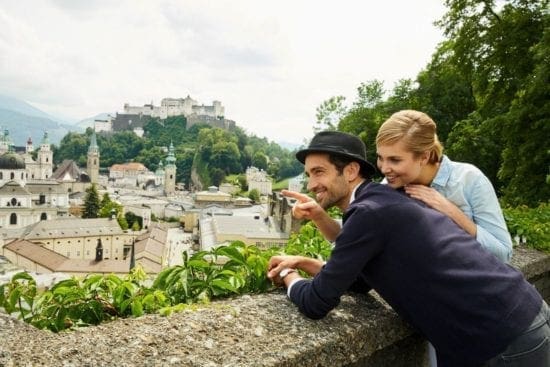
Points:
(290, 286)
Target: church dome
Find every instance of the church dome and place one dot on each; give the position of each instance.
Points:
(12, 161)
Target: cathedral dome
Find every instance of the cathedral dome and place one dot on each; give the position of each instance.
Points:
(12, 161)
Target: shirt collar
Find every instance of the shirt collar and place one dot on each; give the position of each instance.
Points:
(443, 173)
(352, 198)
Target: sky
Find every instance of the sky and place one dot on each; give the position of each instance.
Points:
(270, 63)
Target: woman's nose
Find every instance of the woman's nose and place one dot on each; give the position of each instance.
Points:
(382, 167)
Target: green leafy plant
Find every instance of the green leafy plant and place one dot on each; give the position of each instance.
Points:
(205, 275)
(530, 225)
(309, 242)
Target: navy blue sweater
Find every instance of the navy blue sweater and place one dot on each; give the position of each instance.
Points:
(464, 300)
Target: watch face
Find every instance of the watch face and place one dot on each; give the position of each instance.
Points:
(284, 273)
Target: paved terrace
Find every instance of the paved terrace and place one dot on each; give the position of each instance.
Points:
(260, 330)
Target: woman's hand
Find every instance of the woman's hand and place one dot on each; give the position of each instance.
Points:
(430, 197)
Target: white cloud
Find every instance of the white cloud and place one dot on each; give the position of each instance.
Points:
(270, 63)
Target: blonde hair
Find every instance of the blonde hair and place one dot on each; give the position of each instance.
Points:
(417, 131)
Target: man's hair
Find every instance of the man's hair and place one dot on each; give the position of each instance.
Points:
(340, 161)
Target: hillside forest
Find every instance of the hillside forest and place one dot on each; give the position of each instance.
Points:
(212, 153)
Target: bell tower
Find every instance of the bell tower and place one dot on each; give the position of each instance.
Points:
(45, 158)
(93, 160)
(170, 172)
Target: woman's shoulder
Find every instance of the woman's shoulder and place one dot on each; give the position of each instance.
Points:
(462, 168)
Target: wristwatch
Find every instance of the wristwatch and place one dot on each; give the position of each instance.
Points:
(285, 272)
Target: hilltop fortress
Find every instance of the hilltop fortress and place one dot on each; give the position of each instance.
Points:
(177, 107)
(135, 117)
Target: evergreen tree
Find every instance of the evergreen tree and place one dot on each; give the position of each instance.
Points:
(91, 203)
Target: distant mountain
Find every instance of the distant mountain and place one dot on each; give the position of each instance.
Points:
(17, 105)
(22, 126)
(23, 121)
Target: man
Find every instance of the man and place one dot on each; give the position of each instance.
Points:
(472, 307)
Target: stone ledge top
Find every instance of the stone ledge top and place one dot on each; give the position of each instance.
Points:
(259, 330)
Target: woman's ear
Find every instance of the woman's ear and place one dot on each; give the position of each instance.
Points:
(425, 158)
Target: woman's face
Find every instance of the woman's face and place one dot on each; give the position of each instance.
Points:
(398, 165)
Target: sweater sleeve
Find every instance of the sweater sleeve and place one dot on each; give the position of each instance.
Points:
(358, 242)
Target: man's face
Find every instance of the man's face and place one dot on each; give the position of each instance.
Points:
(331, 188)
(399, 166)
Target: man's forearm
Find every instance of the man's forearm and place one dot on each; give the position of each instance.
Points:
(328, 226)
(310, 265)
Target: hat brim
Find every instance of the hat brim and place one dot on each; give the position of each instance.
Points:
(365, 165)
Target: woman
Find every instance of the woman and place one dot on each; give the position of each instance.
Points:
(411, 156)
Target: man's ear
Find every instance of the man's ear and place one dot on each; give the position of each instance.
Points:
(352, 170)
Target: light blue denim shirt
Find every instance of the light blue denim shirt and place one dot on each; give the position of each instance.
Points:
(468, 188)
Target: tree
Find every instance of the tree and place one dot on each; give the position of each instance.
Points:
(109, 208)
(503, 54)
(329, 113)
(132, 218)
(526, 157)
(91, 203)
(73, 146)
(259, 160)
(443, 92)
(217, 175)
(254, 195)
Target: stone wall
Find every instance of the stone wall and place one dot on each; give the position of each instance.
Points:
(260, 330)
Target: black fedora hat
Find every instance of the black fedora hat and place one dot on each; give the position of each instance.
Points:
(339, 143)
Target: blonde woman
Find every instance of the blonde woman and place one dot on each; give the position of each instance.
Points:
(411, 156)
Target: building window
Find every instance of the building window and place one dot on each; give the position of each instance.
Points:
(1, 175)
(12, 175)
(13, 218)
(43, 216)
(13, 201)
(42, 199)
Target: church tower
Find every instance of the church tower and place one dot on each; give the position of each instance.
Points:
(45, 158)
(93, 160)
(170, 172)
(29, 147)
